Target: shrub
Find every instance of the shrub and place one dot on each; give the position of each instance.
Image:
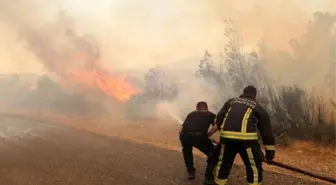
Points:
(296, 113)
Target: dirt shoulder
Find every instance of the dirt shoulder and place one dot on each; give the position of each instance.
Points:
(84, 152)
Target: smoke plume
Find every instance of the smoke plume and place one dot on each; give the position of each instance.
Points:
(131, 35)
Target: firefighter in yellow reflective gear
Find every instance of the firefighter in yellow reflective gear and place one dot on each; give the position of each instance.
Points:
(238, 122)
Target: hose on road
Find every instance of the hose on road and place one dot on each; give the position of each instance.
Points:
(298, 170)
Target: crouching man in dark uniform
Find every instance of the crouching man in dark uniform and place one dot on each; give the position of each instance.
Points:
(194, 134)
(238, 122)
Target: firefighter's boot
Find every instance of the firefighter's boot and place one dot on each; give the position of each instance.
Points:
(209, 181)
(191, 175)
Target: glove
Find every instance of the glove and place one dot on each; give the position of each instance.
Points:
(269, 155)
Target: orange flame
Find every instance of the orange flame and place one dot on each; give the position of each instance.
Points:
(116, 87)
(111, 85)
(98, 77)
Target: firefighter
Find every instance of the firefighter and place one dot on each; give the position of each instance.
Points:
(193, 133)
(238, 121)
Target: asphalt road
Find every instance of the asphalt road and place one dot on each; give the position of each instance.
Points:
(33, 153)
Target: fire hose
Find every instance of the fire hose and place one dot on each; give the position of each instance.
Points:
(294, 169)
(298, 170)
(291, 168)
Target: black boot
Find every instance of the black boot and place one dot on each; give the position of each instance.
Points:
(209, 181)
(191, 175)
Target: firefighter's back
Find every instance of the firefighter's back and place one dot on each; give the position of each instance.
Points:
(199, 121)
(240, 122)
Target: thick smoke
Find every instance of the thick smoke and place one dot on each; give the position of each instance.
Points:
(140, 35)
(58, 47)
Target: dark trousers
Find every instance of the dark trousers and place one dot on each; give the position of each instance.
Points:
(251, 155)
(190, 140)
(212, 162)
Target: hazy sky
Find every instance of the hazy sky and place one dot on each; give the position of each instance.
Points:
(144, 33)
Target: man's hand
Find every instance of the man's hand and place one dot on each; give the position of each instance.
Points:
(268, 157)
(270, 153)
(180, 131)
(264, 159)
(212, 131)
(214, 141)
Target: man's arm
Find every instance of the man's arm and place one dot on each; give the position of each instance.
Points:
(180, 130)
(222, 113)
(265, 129)
(184, 122)
(220, 118)
(214, 127)
(212, 130)
(213, 119)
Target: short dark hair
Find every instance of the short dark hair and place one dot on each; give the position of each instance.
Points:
(201, 105)
(250, 90)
